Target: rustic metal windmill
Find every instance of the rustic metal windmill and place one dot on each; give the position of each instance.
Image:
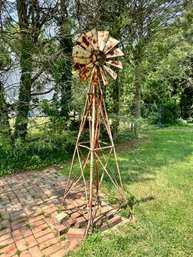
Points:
(93, 54)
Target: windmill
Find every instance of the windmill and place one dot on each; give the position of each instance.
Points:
(94, 56)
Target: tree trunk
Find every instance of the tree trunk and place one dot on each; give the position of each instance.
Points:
(137, 97)
(4, 118)
(66, 83)
(66, 46)
(26, 71)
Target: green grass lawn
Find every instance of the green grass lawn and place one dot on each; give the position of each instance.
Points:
(159, 173)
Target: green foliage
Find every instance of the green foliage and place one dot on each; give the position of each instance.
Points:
(48, 149)
(5, 57)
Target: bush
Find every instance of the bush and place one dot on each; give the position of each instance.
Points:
(49, 148)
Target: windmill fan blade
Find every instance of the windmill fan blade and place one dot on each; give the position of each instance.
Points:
(115, 53)
(102, 39)
(80, 63)
(92, 37)
(80, 52)
(112, 42)
(111, 72)
(116, 64)
(94, 77)
(104, 78)
(84, 42)
(84, 74)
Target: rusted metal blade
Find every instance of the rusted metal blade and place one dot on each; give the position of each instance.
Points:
(84, 74)
(103, 76)
(94, 76)
(80, 63)
(92, 37)
(112, 42)
(80, 52)
(84, 42)
(102, 39)
(115, 53)
(116, 64)
(110, 71)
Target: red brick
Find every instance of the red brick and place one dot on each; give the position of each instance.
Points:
(39, 228)
(104, 227)
(4, 231)
(73, 245)
(61, 229)
(21, 245)
(35, 252)
(49, 221)
(9, 248)
(31, 241)
(42, 233)
(48, 243)
(75, 215)
(50, 210)
(7, 241)
(25, 254)
(31, 221)
(52, 249)
(81, 221)
(26, 231)
(76, 233)
(116, 220)
(37, 223)
(80, 201)
(45, 237)
(69, 223)
(59, 253)
(5, 236)
(48, 206)
(17, 235)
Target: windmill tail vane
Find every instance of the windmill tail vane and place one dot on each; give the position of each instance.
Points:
(94, 56)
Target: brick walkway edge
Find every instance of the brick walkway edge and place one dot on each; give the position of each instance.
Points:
(27, 203)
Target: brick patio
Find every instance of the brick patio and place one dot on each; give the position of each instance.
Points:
(27, 203)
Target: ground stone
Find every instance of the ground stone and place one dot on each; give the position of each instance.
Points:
(61, 217)
(76, 233)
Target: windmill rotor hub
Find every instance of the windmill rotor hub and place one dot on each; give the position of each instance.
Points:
(100, 58)
(94, 54)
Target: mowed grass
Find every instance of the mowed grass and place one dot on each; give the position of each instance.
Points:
(158, 171)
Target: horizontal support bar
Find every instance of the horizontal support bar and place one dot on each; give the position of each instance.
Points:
(96, 149)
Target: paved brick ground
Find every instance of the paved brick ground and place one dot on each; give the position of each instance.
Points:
(27, 203)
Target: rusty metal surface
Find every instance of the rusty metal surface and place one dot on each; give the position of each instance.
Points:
(111, 72)
(103, 76)
(102, 39)
(92, 56)
(115, 53)
(116, 64)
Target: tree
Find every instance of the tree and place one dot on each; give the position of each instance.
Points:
(145, 20)
(5, 60)
(65, 63)
(32, 16)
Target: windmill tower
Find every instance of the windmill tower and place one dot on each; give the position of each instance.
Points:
(94, 56)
